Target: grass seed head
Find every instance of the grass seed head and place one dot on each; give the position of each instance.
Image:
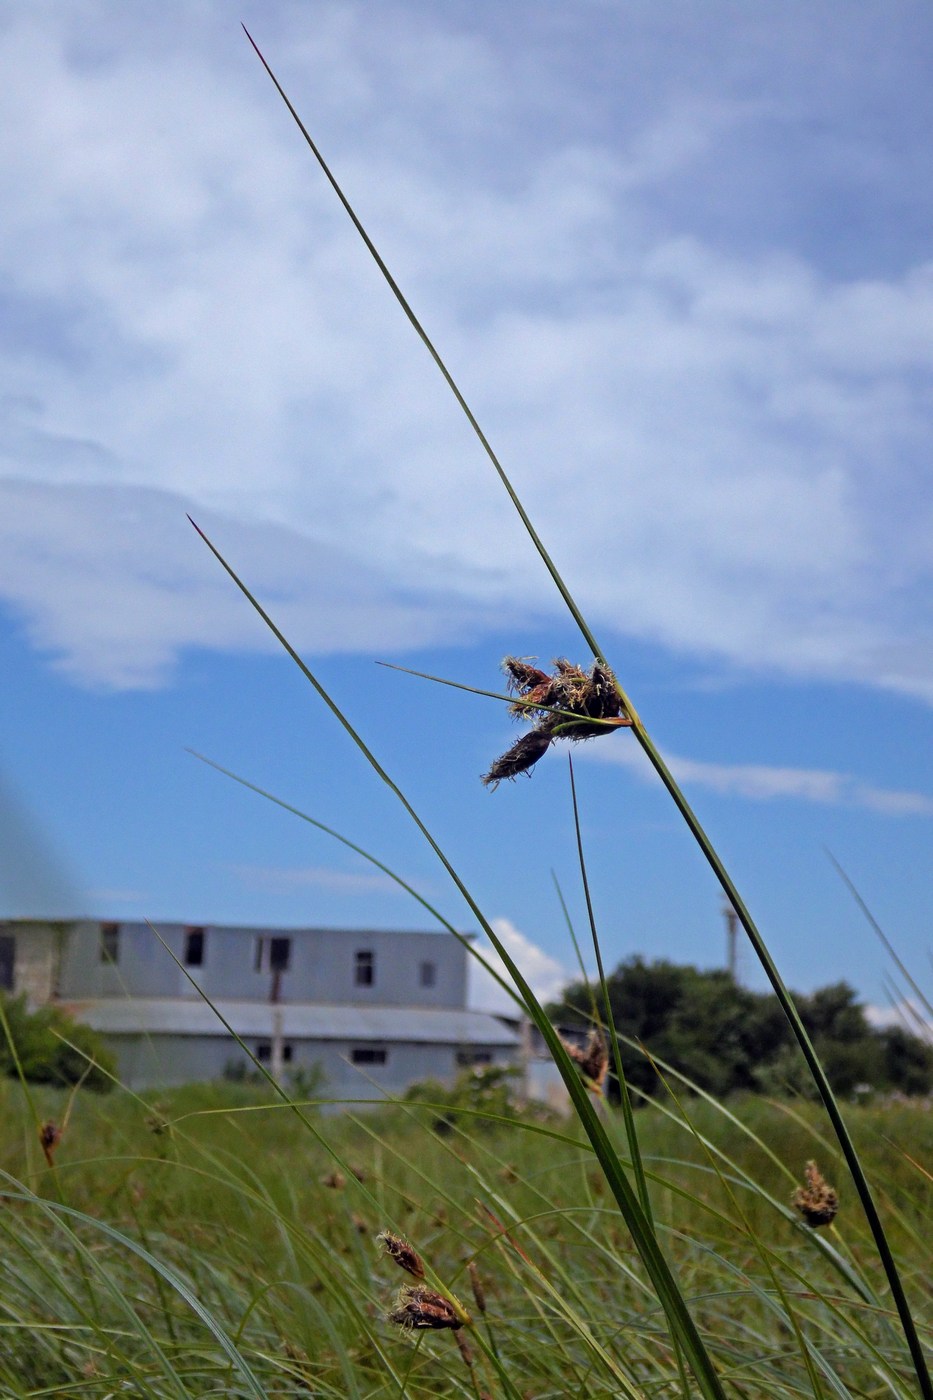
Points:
(817, 1201)
(522, 677)
(523, 754)
(421, 1309)
(592, 695)
(593, 1060)
(50, 1135)
(401, 1253)
(476, 1283)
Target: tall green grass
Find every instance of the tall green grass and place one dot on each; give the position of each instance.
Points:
(204, 1243)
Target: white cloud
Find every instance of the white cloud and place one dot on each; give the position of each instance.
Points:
(113, 583)
(724, 440)
(906, 1013)
(762, 783)
(545, 975)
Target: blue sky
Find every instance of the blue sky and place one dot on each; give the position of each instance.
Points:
(678, 258)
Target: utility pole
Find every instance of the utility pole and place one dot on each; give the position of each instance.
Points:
(732, 933)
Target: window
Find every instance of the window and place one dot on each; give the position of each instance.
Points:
(280, 952)
(427, 974)
(365, 968)
(7, 961)
(273, 954)
(368, 1055)
(110, 943)
(194, 947)
(467, 1058)
(264, 1052)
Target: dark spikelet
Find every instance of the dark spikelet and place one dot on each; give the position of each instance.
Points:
(593, 1060)
(522, 677)
(535, 688)
(401, 1253)
(817, 1201)
(50, 1135)
(466, 1351)
(420, 1309)
(523, 754)
(476, 1283)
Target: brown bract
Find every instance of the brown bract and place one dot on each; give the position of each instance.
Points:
(593, 1060)
(817, 1201)
(50, 1135)
(401, 1252)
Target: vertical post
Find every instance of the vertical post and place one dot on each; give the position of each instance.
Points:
(277, 1056)
(732, 933)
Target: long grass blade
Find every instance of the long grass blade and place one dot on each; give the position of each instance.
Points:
(711, 855)
(402, 883)
(640, 1228)
(628, 1116)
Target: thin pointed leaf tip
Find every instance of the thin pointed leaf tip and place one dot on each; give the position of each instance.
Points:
(551, 703)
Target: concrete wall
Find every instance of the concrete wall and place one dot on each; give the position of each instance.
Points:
(321, 966)
(38, 953)
(161, 1061)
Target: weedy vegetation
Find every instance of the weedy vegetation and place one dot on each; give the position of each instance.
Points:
(233, 1240)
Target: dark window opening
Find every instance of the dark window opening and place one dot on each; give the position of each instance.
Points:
(264, 1052)
(280, 953)
(273, 954)
(368, 1055)
(110, 943)
(365, 969)
(467, 1058)
(7, 962)
(195, 939)
(427, 974)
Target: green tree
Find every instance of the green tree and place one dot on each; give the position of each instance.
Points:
(727, 1038)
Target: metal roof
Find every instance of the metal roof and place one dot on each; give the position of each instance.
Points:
(299, 1020)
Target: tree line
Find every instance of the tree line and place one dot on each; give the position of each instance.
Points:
(726, 1038)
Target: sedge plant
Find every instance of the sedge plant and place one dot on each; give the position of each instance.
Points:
(564, 717)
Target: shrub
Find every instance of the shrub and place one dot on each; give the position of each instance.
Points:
(34, 1045)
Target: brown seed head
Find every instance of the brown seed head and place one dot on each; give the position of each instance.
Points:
(817, 1201)
(420, 1309)
(592, 1060)
(466, 1351)
(479, 1293)
(335, 1181)
(401, 1252)
(523, 677)
(50, 1135)
(592, 695)
(523, 754)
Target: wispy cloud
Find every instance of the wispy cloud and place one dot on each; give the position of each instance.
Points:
(764, 783)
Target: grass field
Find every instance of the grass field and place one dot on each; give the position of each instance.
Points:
(210, 1242)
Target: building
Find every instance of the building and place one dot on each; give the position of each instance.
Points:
(371, 1010)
